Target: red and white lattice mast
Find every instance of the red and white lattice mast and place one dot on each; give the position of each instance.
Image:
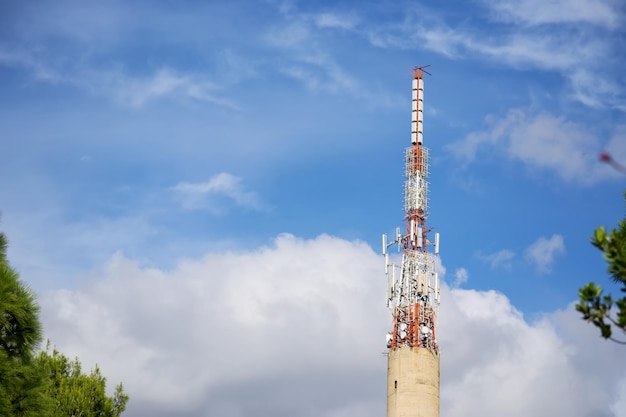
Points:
(413, 286)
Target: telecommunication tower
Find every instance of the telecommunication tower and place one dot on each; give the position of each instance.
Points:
(413, 286)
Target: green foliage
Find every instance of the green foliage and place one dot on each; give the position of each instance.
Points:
(20, 329)
(47, 384)
(24, 390)
(21, 392)
(596, 307)
(77, 394)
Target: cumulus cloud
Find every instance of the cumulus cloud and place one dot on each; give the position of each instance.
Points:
(209, 195)
(279, 317)
(494, 362)
(296, 328)
(500, 259)
(541, 253)
(541, 142)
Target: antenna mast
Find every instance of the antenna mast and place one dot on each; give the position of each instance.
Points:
(413, 294)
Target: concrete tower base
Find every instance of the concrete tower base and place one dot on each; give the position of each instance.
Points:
(413, 383)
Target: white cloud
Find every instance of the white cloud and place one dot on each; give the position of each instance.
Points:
(500, 259)
(617, 145)
(541, 253)
(557, 50)
(296, 328)
(334, 20)
(618, 408)
(207, 195)
(596, 91)
(565, 53)
(460, 277)
(586, 60)
(306, 58)
(40, 71)
(542, 142)
(333, 78)
(138, 91)
(538, 12)
(273, 314)
(552, 143)
(128, 90)
(517, 50)
(496, 363)
(291, 36)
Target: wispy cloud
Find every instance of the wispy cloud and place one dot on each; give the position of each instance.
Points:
(460, 277)
(116, 84)
(335, 20)
(500, 259)
(571, 54)
(585, 58)
(542, 142)
(211, 195)
(334, 78)
(538, 12)
(292, 35)
(542, 252)
(552, 51)
(308, 56)
(21, 59)
(596, 91)
(163, 83)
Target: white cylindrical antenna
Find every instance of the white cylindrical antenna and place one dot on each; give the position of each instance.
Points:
(418, 200)
(420, 107)
(386, 263)
(398, 235)
(420, 92)
(416, 105)
(384, 243)
(419, 237)
(437, 243)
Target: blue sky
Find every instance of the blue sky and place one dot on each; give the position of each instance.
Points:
(153, 138)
